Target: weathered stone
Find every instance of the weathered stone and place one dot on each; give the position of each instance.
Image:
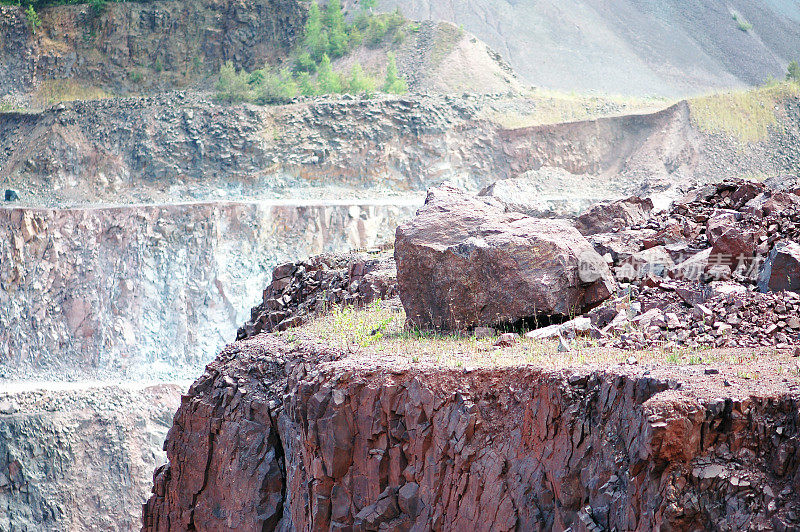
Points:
(781, 271)
(615, 215)
(463, 262)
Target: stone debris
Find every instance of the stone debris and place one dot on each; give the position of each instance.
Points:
(720, 268)
(300, 290)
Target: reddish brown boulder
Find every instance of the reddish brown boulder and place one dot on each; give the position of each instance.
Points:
(781, 271)
(464, 262)
(606, 217)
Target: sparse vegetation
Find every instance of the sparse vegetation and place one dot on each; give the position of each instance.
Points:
(553, 107)
(381, 330)
(742, 23)
(33, 19)
(745, 115)
(67, 90)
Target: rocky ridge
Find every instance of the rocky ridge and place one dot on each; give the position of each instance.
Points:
(182, 146)
(323, 439)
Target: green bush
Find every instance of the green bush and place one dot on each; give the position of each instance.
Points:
(394, 83)
(275, 88)
(233, 86)
(305, 63)
(33, 19)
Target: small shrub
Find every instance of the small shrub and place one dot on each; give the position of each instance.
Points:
(394, 83)
(305, 84)
(158, 66)
(793, 72)
(135, 76)
(33, 19)
(233, 86)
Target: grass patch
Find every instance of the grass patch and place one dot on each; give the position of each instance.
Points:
(66, 90)
(381, 331)
(744, 115)
(552, 107)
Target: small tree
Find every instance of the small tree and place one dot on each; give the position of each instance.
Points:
(305, 85)
(33, 19)
(337, 31)
(329, 82)
(316, 38)
(359, 82)
(793, 72)
(394, 83)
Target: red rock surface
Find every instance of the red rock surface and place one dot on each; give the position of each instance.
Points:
(299, 436)
(464, 262)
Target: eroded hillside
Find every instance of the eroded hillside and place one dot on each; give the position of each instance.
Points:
(647, 47)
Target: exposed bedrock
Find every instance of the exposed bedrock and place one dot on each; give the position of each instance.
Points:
(297, 436)
(188, 40)
(142, 289)
(178, 145)
(79, 457)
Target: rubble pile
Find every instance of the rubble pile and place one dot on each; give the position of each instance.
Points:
(721, 268)
(300, 289)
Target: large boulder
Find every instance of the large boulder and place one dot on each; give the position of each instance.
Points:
(607, 217)
(781, 270)
(464, 262)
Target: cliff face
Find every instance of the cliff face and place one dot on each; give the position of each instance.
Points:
(79, 458)
(287, 436)
(143, 290)
(178, 146)
(134, 47)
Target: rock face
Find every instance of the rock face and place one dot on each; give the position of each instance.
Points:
(781, 271)
(186, 40)
(281, 437)
(464, 262)
(156, 287)
(80, 458)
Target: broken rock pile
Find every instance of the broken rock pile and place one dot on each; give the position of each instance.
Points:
(301, 289)
(720, 268)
